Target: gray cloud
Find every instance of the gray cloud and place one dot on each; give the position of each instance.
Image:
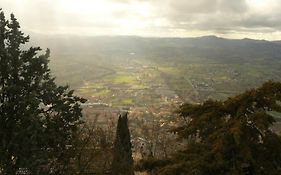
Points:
(221, 16)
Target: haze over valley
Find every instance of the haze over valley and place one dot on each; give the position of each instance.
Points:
(137, 87)
(193, 69)
(151, 76)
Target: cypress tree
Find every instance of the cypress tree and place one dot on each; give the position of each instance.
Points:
(122, 154)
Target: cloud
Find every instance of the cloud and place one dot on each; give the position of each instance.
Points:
(224, 15)
(149, 17)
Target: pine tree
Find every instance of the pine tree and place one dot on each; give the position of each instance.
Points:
(122, 154)
(38, 119)
(229, 137)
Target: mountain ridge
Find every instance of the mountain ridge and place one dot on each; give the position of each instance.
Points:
(211, 47)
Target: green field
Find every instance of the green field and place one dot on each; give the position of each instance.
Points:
(126, 82)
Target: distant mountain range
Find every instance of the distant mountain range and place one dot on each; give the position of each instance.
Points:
(211, 47)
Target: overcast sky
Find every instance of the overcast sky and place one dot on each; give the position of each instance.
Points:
(260, 19)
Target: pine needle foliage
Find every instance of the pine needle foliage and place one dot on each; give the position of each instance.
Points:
(231, 137)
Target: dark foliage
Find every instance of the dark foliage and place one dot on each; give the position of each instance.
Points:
(38, 119)
(122, 163)
(229, 137)
(151, 164)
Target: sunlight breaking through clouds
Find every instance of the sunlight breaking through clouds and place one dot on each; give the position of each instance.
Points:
(180, 18)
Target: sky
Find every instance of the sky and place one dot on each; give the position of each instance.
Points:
(257, 19)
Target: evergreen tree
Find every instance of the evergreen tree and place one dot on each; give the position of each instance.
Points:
(122, 154)
(38, 119)
(231, 137)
